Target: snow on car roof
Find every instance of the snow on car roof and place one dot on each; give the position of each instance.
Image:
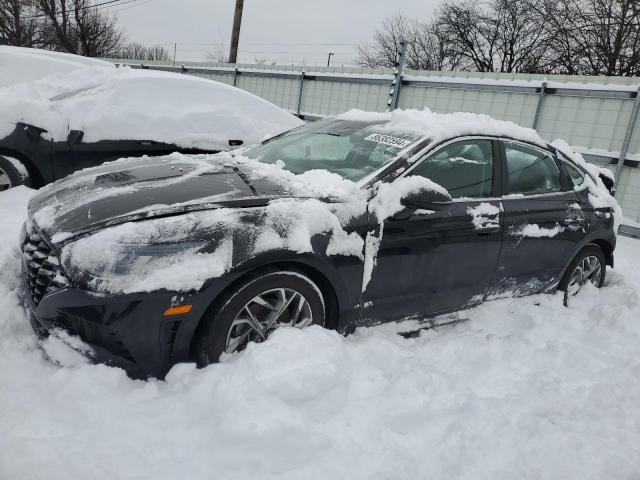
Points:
(442, 126)
(109, 103)
(19, 65)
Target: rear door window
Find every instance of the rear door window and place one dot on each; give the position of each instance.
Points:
(531, 171)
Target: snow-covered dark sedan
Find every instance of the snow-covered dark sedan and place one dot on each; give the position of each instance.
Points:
(53, 126)
(350, 221)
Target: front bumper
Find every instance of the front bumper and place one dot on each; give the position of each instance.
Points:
(126, 331)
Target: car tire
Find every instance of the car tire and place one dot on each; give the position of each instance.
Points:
(590, 260)
(227, 323)
(13, 173)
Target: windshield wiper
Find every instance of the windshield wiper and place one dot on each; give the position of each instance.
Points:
(245, 179)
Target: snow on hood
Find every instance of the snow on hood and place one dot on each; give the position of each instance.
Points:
(130, 188)
(19, 65)
(109, 103)
(442, 126)
(94, 220)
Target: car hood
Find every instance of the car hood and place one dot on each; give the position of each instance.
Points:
(133, 189)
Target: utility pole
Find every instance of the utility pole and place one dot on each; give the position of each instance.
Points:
(235, 32)
(329, 58)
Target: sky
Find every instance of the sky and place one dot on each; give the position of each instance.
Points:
(284, 31)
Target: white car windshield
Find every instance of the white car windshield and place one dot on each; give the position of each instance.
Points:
(350, 149)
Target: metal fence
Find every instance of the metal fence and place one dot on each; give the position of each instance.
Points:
(597, 115)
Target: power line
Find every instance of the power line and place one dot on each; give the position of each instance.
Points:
(131, 6)
(105, 4)
(275, 44)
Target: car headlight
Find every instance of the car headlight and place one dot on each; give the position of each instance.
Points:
(120, 267)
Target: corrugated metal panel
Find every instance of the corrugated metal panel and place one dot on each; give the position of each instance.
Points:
(329, 98)
(218, 77)
(597, 123)
(281, 91)
(516, 107)
(629, 193)
(634, 145)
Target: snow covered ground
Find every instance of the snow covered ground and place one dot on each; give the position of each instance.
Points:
(524, 389)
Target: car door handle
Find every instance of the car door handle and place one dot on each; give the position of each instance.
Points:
(487, 228)
(485, 232)
(570, 222)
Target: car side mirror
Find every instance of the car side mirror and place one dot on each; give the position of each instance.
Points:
(75, 137)
(33, 133)
(426, 200)
(608, 182)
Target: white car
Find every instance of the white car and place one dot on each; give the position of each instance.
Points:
(19, 65)
(92, 114)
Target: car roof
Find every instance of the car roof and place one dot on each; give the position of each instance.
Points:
(444, 126)
(131, 104)
(19, 64)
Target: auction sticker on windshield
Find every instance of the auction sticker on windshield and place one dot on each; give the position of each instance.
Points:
(388, 140)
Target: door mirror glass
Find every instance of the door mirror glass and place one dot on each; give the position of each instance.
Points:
(531, 171)
(464, 169)
(427, 200)
(75, 137)
(609, 183)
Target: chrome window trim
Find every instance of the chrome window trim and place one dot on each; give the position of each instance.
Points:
(522, 196)
(529, 145)
(476, 199)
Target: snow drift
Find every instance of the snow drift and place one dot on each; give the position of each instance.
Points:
(524, 389)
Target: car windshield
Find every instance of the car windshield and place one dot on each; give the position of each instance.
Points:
(351, 149)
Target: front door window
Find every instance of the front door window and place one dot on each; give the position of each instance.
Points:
(464, 168)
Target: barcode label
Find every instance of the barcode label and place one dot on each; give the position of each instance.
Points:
(388, 140)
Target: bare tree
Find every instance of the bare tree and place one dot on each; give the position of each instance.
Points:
(216, 54)
(18, 23)
(138, 51)
(426, 50)
(76, 26)
(594, 37)
(495, 36)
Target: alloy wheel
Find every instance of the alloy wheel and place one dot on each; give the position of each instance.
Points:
(279, 307)
(588, 270)
(5, 181)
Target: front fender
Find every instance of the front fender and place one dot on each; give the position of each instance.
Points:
(342, 273)
(27, 144)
